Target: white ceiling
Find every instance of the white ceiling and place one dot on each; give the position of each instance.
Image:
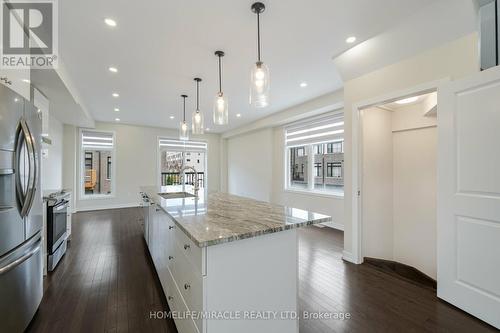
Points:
(160, 46)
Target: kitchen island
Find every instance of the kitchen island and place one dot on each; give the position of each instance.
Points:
(226, 263)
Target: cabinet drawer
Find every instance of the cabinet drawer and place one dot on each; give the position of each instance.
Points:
(189, 281)
(176, 304)
(193, 253)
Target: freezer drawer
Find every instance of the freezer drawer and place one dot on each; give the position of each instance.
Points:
(20, 285)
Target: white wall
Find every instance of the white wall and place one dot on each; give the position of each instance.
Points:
(332, 206)
(264, 141)
(250, 160)
(377, 184)
(136, 162)
(256, 169)
(399, 186)
(415, 188)
(453, 60)
(52, 159)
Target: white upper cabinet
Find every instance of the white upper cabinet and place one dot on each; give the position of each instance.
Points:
(17, 80)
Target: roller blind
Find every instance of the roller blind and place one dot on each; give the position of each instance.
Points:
(181, 145)
(97, 140)
(322, 129)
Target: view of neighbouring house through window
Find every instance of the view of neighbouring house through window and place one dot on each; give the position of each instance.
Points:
(97, 162)
(315, 155)
(174, 154)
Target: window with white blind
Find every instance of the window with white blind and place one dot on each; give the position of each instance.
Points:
(97, 163)
(315, 154)
(174, 154)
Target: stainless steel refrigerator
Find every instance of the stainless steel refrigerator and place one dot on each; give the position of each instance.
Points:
(20, 211)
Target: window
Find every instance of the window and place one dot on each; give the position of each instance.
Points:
(97, 163)
(108, 168)
(174, 154)
(318, 142)
(335, 147)
(317, 167)
(298, 167)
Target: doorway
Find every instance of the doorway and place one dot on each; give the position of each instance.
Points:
(399, 172)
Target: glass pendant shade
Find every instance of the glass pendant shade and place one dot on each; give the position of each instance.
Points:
(184, 131)
(259, 85)
(183, 126)
(198, 124)
(220, 109)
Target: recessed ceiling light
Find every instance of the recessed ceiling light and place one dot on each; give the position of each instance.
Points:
(303, 84)
(110, 22)
(238, 115)
(207, 129)
(117, 110)
(26, 81)
(116, 95)
(407, 100)
(117, 119)
(16, 99)
(350, 40)
(172, 117)
(113, 69)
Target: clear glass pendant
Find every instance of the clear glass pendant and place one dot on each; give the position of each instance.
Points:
(259, 85)
(220, 109)
(198, 125)
(184, 131)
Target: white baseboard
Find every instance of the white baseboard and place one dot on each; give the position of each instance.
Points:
(348, 256)
(117, 206)
(334, 225)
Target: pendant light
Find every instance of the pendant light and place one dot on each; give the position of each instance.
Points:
(259, 76)
(220, 103)
(184, 128)
(198, 123)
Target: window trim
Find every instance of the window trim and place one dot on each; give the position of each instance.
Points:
(286, 167)
(81, 164)
(158, 158)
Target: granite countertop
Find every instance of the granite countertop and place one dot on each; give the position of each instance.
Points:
(222, 218)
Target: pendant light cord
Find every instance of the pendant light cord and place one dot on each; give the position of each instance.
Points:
(197, 96)
(258, 36)
(220, 75)
(184, 116)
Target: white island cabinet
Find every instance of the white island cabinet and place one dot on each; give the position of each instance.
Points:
(222, 271)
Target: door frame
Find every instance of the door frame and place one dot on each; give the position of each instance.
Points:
(357, 155)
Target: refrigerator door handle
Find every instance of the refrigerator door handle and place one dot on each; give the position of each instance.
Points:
(36, 246)
(32, 180)
(24, 137)
(21, 200)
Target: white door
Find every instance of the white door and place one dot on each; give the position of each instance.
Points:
(469, 195)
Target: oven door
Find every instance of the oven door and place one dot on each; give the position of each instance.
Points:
(57, 226)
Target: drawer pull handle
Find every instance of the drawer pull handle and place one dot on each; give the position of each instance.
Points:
(170, 257)
(170, 227)
(170, 298)
(187, 246)
(187, 286)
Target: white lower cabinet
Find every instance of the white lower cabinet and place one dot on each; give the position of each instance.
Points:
(247, 276)
(174, 257)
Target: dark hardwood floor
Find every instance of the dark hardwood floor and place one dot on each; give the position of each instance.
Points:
(377, 301)
(106, 283)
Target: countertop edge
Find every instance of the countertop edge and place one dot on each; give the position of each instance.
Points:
(245, 235)
(236, 237)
